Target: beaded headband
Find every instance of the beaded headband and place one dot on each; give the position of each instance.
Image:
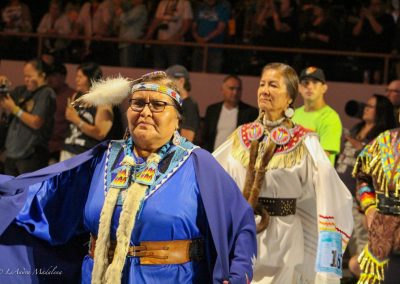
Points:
(157, 88)
(112, 91)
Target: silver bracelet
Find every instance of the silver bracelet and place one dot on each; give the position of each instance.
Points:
(19, 113)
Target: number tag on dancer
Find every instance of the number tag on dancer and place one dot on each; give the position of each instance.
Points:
(329, 258)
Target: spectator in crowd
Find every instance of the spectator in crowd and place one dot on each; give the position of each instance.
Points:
(96, 20)
(87, 125)
(171, 22)
(319, 31)
(72, 12)
(377, 117)
(284, 32)
(56, 80)
(392, 92)
(244, 20)
(374, 26)
(132, 20)
(55, 22)
(190, 110)
(222, 118)
(32, 106)
(209, 26)
(315, 114)
(278, 23)
(262, 16)
(374, 32)
(15, 17)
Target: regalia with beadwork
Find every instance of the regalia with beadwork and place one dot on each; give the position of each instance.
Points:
(122, 168)
(380, 159)
(289, 151)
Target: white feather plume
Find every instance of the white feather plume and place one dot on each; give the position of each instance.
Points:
(108, 91)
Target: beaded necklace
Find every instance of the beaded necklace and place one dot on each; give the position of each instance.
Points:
(143, 172)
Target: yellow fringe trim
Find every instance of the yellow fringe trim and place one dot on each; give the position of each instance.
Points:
(239, 152)
(373, 269)
(278, 161)
(288, 159)
(371, 164)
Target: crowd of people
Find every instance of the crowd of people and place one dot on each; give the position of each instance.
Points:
(365, 26)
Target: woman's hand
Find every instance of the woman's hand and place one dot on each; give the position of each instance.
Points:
(71, 114)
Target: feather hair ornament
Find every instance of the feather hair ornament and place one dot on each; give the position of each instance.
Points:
(108, 91)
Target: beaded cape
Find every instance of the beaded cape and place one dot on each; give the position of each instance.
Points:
(380, 159)
(120, 175)
(285, 156)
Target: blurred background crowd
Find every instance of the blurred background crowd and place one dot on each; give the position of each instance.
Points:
(171, 32)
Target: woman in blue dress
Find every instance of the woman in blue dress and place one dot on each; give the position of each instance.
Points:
(158, 208)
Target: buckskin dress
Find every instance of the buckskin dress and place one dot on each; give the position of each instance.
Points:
(306, 247)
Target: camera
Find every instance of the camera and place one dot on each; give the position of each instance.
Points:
(4, 87)
(163, 26)
(354, 109)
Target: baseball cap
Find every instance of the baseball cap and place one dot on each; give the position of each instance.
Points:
(178, 71)
(313, 73)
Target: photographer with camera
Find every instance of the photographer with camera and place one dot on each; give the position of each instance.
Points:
(32, 108)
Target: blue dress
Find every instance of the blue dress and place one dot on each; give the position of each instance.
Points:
(193, 198)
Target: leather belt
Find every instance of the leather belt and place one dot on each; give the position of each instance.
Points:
(279, 206)
(388, 205)
(159, 252)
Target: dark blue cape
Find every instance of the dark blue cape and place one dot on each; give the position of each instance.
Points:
(229, 216)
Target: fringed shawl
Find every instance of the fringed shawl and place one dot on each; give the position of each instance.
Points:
(285, 156)
(380, 160)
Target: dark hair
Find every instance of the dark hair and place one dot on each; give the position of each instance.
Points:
(384, 117)
(91, 70)
(231, 76)
(40, 66)
(290, 78)
(58, 68)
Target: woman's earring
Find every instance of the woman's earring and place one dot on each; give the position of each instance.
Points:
(126, 134)
(289, 112)
(176, 140)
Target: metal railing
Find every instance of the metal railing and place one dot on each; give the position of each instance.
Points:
(385, 57)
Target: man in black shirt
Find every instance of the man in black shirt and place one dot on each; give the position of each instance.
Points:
(191, 118)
